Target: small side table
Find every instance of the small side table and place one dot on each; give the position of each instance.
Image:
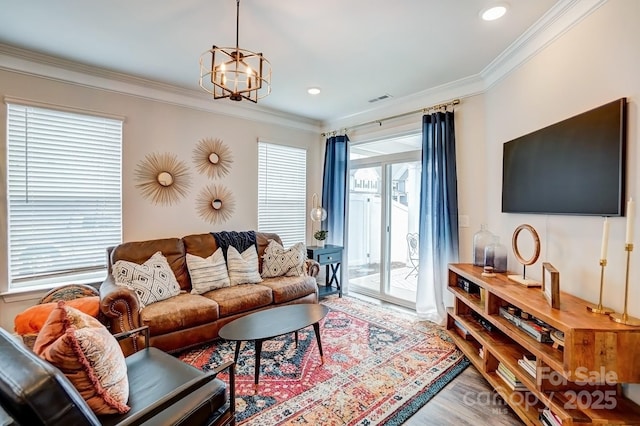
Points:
(331, 257)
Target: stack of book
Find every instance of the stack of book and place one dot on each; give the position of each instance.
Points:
(461, 329)
(528, 364)
(510, 379)
(549, 419)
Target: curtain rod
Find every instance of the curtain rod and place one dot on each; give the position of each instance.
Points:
(379, 122)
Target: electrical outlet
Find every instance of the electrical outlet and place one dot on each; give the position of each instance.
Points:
(463, 221)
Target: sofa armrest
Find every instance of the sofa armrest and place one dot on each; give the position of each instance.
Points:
(312, 268)
(121, 308)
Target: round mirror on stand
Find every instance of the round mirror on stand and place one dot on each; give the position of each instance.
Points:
(526, 248)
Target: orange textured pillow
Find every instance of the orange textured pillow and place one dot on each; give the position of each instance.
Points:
(31, 320)
(84, 350)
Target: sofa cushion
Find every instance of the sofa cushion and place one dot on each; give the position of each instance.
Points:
(243, 267)
(286, 289)
(152, 281)
(204, 244)
(178, 313)
(207, 273)
(262, 241)
(240, 240)
(84, 350)
(240, 298)
(171, 248)
(277, 261)
(33, 389)
(31, 320)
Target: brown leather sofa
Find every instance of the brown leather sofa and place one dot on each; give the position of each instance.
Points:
(188, 319)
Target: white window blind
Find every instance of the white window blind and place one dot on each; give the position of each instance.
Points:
(64, 194)
(282, 187)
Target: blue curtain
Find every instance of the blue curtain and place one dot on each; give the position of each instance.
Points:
(438, 227)
(334, 188)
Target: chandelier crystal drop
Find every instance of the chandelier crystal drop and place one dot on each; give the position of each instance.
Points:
(235, 73)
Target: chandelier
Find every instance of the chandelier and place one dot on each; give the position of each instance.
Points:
(234, 73)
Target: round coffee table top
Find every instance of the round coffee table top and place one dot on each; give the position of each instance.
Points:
(273, 322)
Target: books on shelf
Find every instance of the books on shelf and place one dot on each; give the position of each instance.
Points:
(537, 329)
(462, 331)
(509, 378)
(549, 419)
(528, 364)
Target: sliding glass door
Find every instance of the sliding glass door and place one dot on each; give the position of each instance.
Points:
(384, 192)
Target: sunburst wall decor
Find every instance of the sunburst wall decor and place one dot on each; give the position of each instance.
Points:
(215, 204)
(162, 178)
(212, 157)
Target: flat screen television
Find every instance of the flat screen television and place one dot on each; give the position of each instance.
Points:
(573, 167)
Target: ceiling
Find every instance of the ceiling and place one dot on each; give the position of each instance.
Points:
(354, 50)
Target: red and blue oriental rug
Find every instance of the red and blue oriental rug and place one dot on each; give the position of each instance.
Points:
(380, 366)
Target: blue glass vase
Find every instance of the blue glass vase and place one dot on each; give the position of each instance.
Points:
(495, 255)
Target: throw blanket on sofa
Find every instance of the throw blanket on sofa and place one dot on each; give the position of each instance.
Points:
(240, 240)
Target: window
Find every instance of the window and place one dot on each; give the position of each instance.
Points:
(64, 192)
(282, 188)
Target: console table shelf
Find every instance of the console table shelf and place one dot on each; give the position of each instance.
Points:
(574, 381)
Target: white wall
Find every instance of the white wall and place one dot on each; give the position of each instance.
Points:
(595, 62)
(155, 127)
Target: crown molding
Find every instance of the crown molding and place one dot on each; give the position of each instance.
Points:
(558, 20)
(563, 16)
(35, 64)
(463, 88)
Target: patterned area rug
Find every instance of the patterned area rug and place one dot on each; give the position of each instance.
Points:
(380, 366)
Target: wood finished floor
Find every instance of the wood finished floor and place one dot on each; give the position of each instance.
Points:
(466, 400)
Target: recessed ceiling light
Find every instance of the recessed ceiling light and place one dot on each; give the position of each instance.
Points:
(313, 91)
(494, 12)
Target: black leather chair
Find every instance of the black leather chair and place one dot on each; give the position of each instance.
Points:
(162, 391)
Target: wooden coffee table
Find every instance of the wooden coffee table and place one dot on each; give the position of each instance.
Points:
(274, 322)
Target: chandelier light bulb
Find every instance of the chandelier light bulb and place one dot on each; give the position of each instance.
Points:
(250, 77)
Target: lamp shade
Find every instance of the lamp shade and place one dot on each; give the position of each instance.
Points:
(318, 214)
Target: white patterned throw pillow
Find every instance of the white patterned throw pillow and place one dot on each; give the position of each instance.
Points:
(152, 281)
(243, 268)
(277, 261)
(207, 274)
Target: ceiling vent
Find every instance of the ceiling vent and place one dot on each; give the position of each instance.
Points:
(380, 98)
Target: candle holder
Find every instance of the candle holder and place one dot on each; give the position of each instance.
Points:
(624, 317)
(599, 309)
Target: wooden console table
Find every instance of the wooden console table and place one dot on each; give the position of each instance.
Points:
(331, 257)
(580, 382)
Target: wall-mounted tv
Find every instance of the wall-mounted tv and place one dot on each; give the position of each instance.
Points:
(574, 167)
